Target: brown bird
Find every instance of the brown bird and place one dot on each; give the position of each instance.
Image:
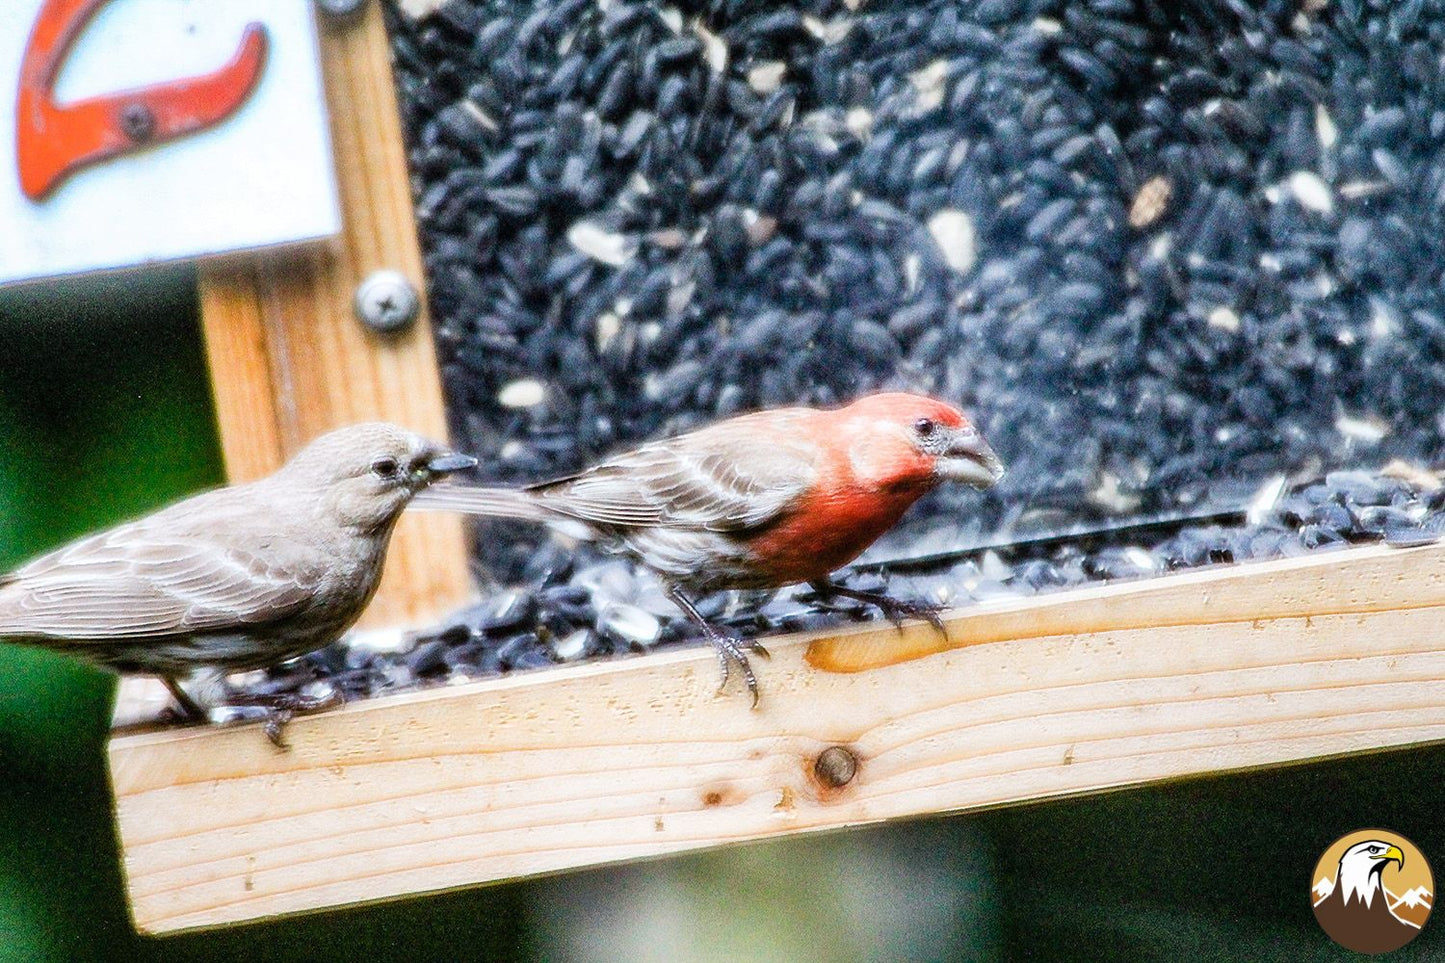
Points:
(758, 501)
(238, 578)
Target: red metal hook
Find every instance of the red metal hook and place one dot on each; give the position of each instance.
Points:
(52, 141)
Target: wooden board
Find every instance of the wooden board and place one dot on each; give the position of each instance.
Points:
(288, 358)
(1210, 671)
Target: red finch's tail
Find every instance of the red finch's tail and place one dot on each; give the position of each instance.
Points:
(471, 500)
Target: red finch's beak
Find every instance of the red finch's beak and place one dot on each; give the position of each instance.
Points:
(969, 459)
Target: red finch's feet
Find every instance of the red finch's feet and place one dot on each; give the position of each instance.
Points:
(730, 649)
(895, 610)
(282, 707)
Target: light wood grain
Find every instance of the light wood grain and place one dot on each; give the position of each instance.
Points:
(288, 358)
(1225, 669)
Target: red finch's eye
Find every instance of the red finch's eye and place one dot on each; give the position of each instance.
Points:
(925, 427)
(384, 467)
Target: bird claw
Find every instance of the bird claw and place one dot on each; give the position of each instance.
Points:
(731, 649)
(275, 727)
(899, 610)
(185, 708)
(282, 707)
(894, 610)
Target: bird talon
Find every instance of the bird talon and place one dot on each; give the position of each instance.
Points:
(732, 650)
(894, 610)
(737, 649)
(185, 708)
(275, 727)
(282, 707)
(729, 648)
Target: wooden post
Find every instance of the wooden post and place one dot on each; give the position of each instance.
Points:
(1215, 670)
(288, 358)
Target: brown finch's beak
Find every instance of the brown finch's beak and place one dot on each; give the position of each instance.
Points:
(448, 462)
(969, 459)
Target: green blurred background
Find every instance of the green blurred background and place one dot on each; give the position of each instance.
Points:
(105, 412)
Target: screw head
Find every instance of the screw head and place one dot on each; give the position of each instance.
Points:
(387, 301)
(340, 8)
(138, 122)
(835, 767)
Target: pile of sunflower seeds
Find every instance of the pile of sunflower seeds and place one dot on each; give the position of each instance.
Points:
(1166, 252)
(582, 605)
(1162, 250)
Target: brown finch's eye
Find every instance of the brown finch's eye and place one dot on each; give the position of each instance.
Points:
(925, 427)
(384, 467)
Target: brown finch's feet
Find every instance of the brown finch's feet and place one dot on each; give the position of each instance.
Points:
(187, 709)
(731, 650)
(282, 707)
(894, 610)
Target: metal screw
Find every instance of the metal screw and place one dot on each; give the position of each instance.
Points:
(835, 767)
(340, 8)
(138, 122)
(387, 301)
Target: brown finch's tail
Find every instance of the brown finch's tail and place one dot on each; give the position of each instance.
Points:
(471, 500)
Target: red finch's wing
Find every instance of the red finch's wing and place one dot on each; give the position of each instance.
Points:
(736, 476)
(135, 582)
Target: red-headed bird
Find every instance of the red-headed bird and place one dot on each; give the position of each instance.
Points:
(758, 501)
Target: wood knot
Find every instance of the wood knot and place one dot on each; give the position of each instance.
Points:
(835, 767)
(721, 794)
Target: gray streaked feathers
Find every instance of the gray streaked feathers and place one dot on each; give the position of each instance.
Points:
(236, 578)
(715, 479)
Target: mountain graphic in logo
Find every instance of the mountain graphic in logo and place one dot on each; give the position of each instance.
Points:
(1373, 891)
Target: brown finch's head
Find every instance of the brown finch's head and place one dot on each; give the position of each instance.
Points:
(914, 437)
(364, 475)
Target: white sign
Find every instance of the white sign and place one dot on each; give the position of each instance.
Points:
(141, 76)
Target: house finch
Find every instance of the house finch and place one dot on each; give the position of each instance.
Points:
(758, 501)
(238, 578)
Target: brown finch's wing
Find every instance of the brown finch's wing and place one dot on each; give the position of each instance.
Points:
(735, 476)
(133, 582)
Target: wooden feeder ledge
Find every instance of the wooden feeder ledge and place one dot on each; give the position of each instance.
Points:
(1216, 670)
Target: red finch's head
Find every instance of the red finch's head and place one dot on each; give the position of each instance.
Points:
(916, 435)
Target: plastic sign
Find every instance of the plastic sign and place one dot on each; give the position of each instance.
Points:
(134, 131)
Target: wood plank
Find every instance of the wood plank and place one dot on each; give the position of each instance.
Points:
(289, 360)
(1229, 668)
(1314, 587)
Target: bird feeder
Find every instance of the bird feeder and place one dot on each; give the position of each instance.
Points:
(1224, 668)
